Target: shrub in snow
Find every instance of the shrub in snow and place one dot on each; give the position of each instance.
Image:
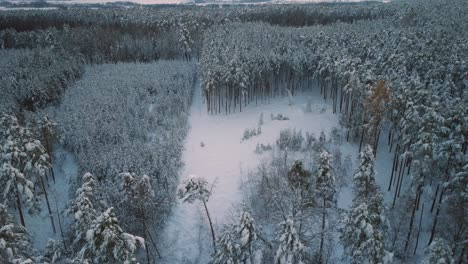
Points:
(260, 148)
(248, 133)
(335, 136)
(308, 108)
(107, 243)
(290, 139)
(310, 140)
(260, 120)
(279, 117)
(15, 244)
(298, 177)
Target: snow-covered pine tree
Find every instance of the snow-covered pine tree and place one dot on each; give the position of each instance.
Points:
(363, 235)
(54, 252)
(364, 177)
(438, 252)
(290, 248)
(138, 194)
(138, 203)
(107, 243)
(83, 208)
(47, 133)
(15, 244)
(236, 242)
(227, 247)
(247, 232)
(22, 157)
(325, 193)
(193, 189)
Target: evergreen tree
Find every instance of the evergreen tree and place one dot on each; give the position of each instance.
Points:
(54, 252)
(236, 242)
(363, 235)
(84, 209)
(22, 157)
(438, 252)
(107, 243)
(194, 189)
(325, 193)
(364, 177)
(15, 244)
(290, 248)
(227, 247)
(325, 181)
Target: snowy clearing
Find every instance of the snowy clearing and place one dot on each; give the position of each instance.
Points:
(224, 160)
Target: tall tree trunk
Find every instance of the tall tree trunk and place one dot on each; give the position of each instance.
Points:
(322, 236)
(211, 226)
(48, 204)
(436, 218)
(419, 230)
(20, 210)
(413, 213)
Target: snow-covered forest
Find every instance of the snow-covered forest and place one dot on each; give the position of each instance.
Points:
(223, 134)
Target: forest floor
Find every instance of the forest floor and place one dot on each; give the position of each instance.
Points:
(225, 160)
(39, 225)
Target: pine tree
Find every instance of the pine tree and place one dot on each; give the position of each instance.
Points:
(438, 252)
(15, 244)
(247, 232)
(364, 177)
(325, 193)
(227, 247)
(107, 243)
(236, 242)
(22, 157)
(138, 202)
(54, 252)
(83, 208)
(194, 189)
(290, 248)
(363, 235)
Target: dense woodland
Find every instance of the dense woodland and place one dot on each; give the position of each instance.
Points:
(114, 85)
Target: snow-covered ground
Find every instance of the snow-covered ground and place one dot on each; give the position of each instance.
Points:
(39, 226)
(152, 2)
(225, 161)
